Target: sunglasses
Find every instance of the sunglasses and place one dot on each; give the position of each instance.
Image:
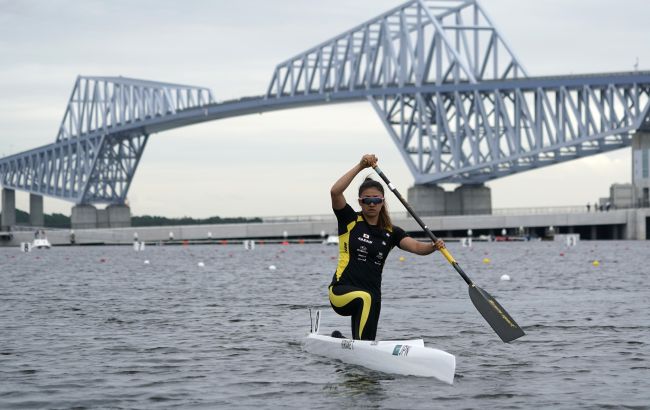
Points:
(367, 200)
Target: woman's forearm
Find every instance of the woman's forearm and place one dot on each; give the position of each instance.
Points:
(338, 200)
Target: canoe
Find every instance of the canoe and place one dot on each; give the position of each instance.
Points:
(403, 357)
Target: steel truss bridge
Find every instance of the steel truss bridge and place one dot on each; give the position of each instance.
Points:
(448, 88)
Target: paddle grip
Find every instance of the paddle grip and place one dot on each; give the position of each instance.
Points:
(426, 229)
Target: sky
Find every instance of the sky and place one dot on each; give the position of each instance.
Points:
(283, 162)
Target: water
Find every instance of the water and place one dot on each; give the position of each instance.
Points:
(94, 327)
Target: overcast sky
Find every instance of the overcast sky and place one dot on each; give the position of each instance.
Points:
(279, 163)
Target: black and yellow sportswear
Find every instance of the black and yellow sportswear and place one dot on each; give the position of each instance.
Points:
(356, 286)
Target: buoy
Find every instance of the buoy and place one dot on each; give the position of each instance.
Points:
(505, 277)
(272, 267)
(596, 263)
(402, 259)
(102, 260)
(201, 264)
(486, 260)
(561, 253)
(146, 262)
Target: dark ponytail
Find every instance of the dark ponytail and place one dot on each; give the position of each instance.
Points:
(383, 221)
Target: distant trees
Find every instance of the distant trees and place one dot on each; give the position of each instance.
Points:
(63, 222)
(147, 220)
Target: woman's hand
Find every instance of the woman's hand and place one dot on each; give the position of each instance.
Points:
(336, 192)
(439, 244)
(368, 160)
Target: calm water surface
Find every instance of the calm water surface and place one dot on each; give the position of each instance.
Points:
(96, 327)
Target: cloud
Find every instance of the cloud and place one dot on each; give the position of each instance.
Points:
(291, 157)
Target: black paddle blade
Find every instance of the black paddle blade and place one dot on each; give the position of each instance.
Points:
(504, 325)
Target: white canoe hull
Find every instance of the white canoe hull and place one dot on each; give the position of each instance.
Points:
(405, 357)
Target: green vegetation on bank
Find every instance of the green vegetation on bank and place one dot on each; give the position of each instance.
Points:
(51, 221)
(147, 220)
(63, 222)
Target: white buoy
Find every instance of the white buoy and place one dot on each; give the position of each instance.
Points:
(201, 264)
(505, 277)
(146, 262)
(272, 267)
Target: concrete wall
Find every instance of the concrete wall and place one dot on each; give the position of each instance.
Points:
(632, 221)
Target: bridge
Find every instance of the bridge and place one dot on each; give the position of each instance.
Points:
(452, 95)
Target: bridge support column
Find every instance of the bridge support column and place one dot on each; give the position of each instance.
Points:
(433, 200)
(427, 200)
(119, 216)
(36, 216)
(8, 209)
(475, 199)
(84, 216)
(641, 169)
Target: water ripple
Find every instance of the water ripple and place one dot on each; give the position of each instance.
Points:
(94, 327)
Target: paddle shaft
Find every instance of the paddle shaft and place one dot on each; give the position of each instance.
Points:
(496, 316)
(426, 229)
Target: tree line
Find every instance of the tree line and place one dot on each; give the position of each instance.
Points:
(61, 221)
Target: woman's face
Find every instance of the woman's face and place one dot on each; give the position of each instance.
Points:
(372, 208)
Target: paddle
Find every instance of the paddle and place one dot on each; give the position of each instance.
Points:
(504, 325)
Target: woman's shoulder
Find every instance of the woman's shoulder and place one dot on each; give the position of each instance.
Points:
(346, 212)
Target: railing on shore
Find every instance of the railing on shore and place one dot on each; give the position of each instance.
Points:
(540, 210)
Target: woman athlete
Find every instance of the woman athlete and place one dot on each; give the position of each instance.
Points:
(365, 239)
